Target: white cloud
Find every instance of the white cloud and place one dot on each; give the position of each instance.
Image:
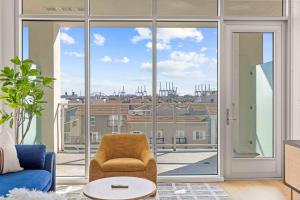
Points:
(74, 53)
(179, 62)
(203, 49)
(146, 65)
(143, 34)
(124, 60)
(166, 35)
(185, 74)
(66, 38)
(159, 46)
(106, 59)
(99, 39)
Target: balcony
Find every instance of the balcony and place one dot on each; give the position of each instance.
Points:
(181, 140)
(183, 156)
(158, 140)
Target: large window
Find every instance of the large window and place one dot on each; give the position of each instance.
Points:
(132, 66)
(57, 49)
(121, 91)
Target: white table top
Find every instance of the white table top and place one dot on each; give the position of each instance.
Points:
(138, 188)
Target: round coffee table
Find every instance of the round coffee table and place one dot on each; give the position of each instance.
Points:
(101, 189)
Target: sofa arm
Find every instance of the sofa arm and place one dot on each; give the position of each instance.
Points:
(50, 166)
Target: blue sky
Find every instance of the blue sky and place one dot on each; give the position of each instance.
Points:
(122, 57)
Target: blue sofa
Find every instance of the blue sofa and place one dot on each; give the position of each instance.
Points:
(38, 173)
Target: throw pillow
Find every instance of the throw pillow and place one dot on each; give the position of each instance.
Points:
(9, 161)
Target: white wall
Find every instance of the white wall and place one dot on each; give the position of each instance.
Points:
(7, 35)
(295, 69)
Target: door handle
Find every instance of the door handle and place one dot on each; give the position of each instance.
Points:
(228, 117)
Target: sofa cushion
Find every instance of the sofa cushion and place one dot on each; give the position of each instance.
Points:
(31, 156)
(9, 161)
(123, 165)
(29, 179)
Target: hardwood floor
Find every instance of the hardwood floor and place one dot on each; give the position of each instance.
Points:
(258, 190)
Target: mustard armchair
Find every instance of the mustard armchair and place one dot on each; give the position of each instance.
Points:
(123, 155)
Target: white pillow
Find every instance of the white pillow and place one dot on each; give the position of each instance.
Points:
(9, 161)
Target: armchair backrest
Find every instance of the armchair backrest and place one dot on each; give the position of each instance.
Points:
(123, 145)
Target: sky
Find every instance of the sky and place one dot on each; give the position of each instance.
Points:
(122, 57)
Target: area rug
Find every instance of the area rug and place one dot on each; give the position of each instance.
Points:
(24, 194)
(166, 191)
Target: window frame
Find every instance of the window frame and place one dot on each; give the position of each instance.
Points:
(87, 19)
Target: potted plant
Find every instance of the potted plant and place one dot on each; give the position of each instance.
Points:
(22, 89)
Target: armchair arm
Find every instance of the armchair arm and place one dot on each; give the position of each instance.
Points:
(96, 165)
(151, 169)
(50, 166)
(99, 158)
(147, 157)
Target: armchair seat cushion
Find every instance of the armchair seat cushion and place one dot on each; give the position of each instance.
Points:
(123, 165)
(30, 179)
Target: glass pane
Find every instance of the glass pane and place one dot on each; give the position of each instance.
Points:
(254, 8)
(121, 91)
(57, 49)
(121, 7)
(253, 108)
(187, 111)
(191, 8)
(55, 7)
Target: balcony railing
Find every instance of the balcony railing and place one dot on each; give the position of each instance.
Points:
(181, 140)
(137, 118)
(158, 140)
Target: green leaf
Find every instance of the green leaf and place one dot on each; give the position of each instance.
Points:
(16, 60)
(22, 90)
(11, 122)
(4, 117)
(33, 72)
(25, 69)
(4, 96)
(14, 105)
(28, 61)
(4, 89)
(38, 113)
(42, 101)
(8, 72)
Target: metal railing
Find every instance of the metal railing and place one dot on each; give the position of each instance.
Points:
(136, 117)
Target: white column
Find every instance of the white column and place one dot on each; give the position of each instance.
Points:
(7, 41)
(44, 50)
(295, 15)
